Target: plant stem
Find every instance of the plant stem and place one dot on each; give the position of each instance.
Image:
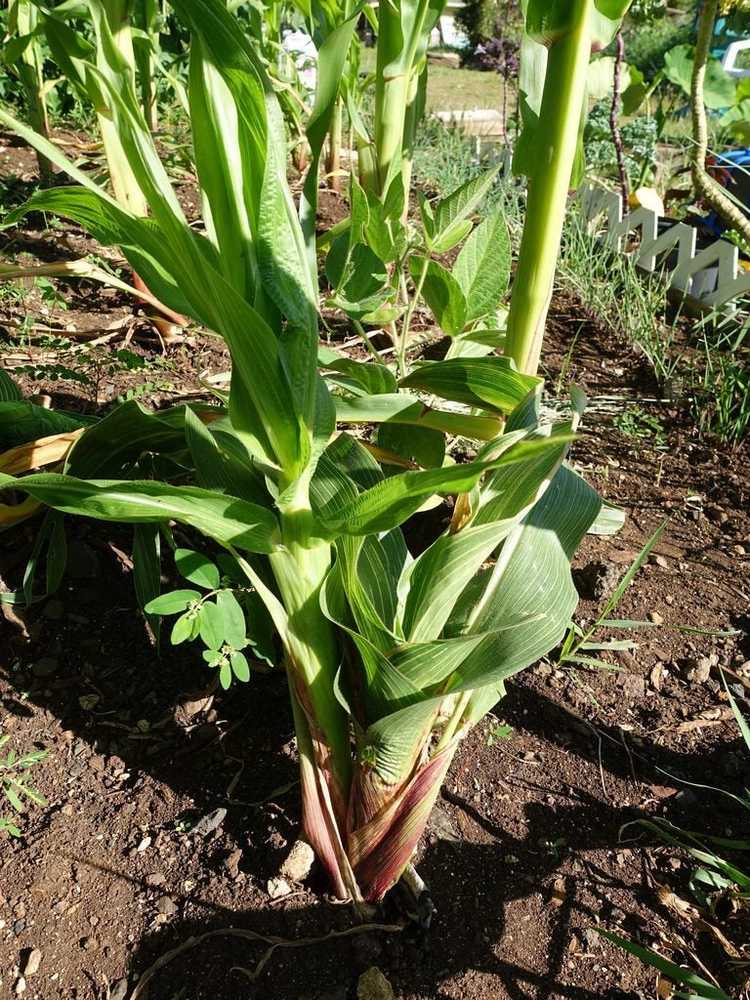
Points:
(367, 342)
(559, 123)
(333, 161)
(705, 185)
(411, 306)
(613, 123)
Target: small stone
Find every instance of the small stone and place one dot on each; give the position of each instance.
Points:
(232, 863)
(278, 887)
(210, 822)
(96, 763)
(89, 944)
(45, 667)
(68, 809)
(20, 986)
(657, 560)
(19, 927)
(32, 963)
(656, 676)
(701, 672)
(144, 845)
(155, 879)
(298, 863)
(373, 985)
(655, 617)
(167, 906)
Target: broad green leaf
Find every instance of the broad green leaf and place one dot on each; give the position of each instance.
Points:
(172, 603)
(211, 625)
(441, 292)
(366, 377)
(240, 667)
(232, 617)
(391, 502)
(719, 86)
(183, 629)
(403, 408)
(482, 269)
(9, 391)
(21, 422)
(227, 520)
(461, 203)
(197, 568)
(419, 445)
(225, 676)
(484, 382)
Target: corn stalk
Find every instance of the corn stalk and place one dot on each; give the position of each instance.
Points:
(22, 52)
(555, 57)
(390, 658)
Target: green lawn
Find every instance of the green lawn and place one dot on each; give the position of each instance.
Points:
(454, 89)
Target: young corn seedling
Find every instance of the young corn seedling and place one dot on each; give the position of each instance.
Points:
(390, 658)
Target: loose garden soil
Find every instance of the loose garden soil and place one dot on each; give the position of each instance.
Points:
(527, 853)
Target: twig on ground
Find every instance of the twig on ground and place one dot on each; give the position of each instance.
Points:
(272, 941)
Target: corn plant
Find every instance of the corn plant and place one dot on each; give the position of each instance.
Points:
(22, 54)
(390, 658)
(555, 54)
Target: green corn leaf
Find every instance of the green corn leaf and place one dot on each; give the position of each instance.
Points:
(700, 988)
(330, 65)
(9, 391)
(403, 408)
(228, 520)
(367, 378)
(112, 446)
(218, 146)
(391, 502)
(482, 268)
(173, 603)
(21, 422)
(418, 445)
(442, 293)
(482, 382)
(147, 569)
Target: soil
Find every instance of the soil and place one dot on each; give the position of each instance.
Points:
(527, 853)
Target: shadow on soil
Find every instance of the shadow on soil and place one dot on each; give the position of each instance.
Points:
(103, 680)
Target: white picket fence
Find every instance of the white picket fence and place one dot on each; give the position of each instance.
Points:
(709, 278)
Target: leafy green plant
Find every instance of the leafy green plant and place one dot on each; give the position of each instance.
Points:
(636, 422)
(15, 783)
(391, 656)
(217, 615)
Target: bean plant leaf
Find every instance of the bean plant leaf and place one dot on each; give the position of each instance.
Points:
(441, 292)
(173, 603)
(197, 568)
(482, 268)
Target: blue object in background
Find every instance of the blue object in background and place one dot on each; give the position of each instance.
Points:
(732, 170)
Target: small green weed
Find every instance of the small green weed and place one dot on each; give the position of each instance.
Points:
(635, 422)
(15, 783)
